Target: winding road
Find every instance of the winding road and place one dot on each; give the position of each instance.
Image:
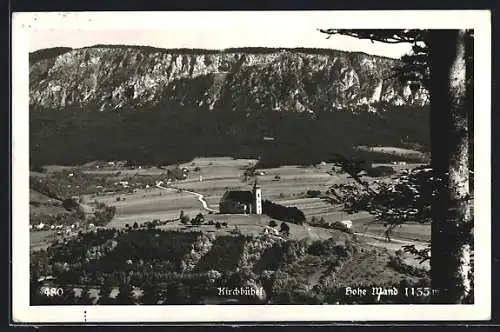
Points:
(199, 196)
(418, 244)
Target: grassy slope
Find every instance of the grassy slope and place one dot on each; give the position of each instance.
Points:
(42, 204)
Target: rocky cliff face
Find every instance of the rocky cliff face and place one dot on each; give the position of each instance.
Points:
(302, 80)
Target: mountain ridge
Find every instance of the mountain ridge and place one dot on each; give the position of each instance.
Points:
(110, 77)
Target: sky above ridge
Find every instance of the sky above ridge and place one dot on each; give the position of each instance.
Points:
(211, 30)
(210, 38)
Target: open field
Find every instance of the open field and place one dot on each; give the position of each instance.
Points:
(285, 185)
(252, 225)
(402, 152)
(219, 162)
(41, 204)
(409, 231)
(41, 239)
(222, 174)
(219, 176)
(57, 168)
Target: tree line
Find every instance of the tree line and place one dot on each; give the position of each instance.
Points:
(153, 135)
(283, 213)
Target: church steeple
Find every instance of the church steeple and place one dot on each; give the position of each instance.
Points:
(257, 194)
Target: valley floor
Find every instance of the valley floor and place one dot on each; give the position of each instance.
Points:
(220, 175)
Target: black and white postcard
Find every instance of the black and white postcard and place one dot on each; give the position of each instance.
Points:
(251, 166)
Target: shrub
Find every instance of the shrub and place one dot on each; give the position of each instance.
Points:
(199, 218)
(313, 193)
(284, 228)
(70, 204)
(196, 221)
(184, 218)
(397, 264)
(235, 230)
(327, 248)
(104, 215)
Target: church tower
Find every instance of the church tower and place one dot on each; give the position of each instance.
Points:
(257, 194)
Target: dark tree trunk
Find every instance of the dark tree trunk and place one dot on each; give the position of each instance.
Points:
(449, 124)
(470, 104)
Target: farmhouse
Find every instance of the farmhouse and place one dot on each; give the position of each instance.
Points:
(242, 201)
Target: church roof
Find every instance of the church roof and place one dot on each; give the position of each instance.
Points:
(242, 196)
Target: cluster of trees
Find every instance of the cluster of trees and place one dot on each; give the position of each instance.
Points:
(70, 204)
(151, 261)
(224, 255)
(147, 246)
(61, 186)
(290, 214)
(199, 219)
(313, 193)
(315, 221)
(149, 224)
(106, 135)
(329, 247)
(284, 228)
(103, 215)
(176, 173)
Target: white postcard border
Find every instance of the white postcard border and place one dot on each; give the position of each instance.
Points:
(23, 23)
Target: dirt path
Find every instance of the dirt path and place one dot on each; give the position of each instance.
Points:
(393, 242)
(198, 196)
